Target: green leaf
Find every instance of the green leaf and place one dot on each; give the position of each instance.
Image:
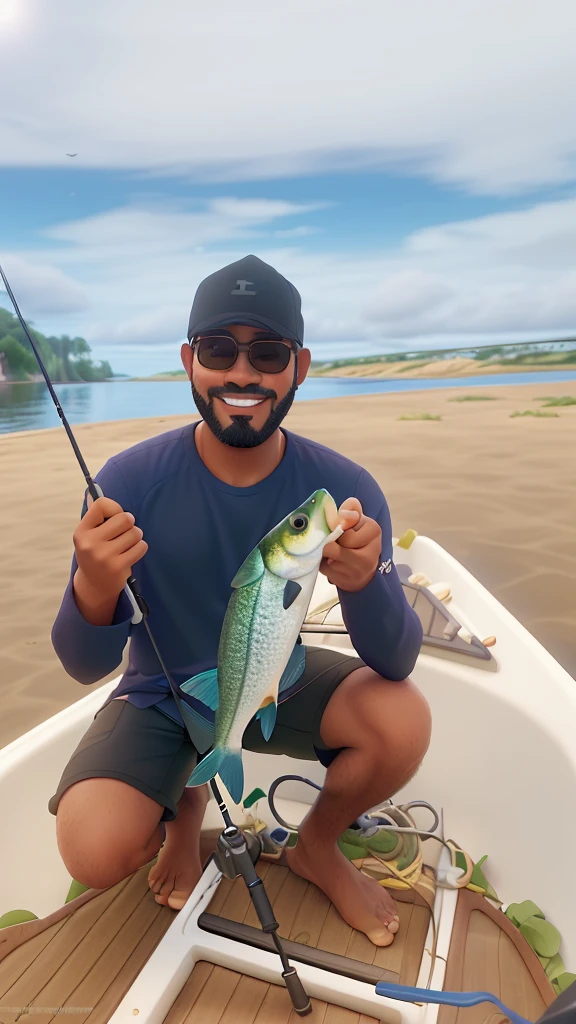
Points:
(563, 982)
(351, 852)
(383, 841)
(352, 838)
(16, 917)
(76, 889)
(479, 878)
(256, 794)
(520, 912)
(555, 967)
(544, 938)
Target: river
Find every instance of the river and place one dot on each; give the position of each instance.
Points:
(30, 407)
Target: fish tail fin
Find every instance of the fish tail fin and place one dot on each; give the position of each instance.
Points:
(232, 774)
(223, 762)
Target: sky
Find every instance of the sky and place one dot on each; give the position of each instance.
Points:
(409, 167)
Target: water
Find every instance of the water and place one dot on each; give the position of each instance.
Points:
(30, 407)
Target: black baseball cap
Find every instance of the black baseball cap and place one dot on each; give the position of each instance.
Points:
(248, 292)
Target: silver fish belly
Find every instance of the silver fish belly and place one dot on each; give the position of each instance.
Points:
(255, 647)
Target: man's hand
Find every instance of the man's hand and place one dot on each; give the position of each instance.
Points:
(351, 561)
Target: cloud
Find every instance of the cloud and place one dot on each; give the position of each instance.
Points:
(301, 232)
(168, 226)
(40, 289)
(479, 95)
(406, 294)
(135, 271)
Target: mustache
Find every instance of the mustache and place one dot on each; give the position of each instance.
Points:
(253, 391)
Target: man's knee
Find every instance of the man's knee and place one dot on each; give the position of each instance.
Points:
(103, 827)
(377, 714)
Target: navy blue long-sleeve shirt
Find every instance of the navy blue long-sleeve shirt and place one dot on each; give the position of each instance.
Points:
(199, 530)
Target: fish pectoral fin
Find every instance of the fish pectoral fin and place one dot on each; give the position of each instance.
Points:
(201, 731)
(251, 570)
(204, 687)
(267, 716)
(294, 668)
(291, 591)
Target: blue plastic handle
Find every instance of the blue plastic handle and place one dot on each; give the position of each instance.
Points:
(425, 995)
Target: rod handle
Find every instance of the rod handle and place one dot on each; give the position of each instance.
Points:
(138, 615)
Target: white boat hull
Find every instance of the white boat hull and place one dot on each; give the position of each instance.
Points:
(501, 765)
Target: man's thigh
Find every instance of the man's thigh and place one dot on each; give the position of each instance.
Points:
(139, 746)
(297, 729)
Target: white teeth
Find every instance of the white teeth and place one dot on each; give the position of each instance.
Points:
(243, 401)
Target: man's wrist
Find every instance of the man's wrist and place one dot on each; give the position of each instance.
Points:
(357, 587)
(94, 606)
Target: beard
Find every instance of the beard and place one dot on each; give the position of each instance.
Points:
(241, 434)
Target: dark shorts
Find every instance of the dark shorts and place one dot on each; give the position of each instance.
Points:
(146, 749)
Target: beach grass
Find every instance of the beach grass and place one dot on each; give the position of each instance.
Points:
(562, 400)
(420, 416)
(474, 398)
(533, 412)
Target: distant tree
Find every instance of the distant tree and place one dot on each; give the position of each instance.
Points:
(19, 361)
(65, 358)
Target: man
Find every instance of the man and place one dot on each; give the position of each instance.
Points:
(204, 496)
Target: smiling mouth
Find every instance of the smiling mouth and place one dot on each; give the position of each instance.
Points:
(242, 403)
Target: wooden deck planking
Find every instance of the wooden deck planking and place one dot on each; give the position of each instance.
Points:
(91, 957)
(517, 988)
(216, 995)
(306, 915)
(88, 959)
(487, 953)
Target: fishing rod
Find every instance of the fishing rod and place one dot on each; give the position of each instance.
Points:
(233, 855)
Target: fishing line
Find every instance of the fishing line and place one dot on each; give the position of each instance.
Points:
(234, 843)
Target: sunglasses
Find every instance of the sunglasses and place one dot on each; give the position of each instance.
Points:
(220, 352)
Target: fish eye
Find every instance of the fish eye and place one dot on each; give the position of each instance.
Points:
(299, 521)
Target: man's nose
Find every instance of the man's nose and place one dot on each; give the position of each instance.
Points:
(243, 371)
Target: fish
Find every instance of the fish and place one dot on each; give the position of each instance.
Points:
(259, 656)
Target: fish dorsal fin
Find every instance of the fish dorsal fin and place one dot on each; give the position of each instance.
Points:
(251, 570)
(291, 591)
(204, 687)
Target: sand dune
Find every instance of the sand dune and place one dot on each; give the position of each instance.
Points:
(499, 493)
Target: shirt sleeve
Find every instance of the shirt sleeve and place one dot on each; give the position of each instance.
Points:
(88, 652)
(385, 630)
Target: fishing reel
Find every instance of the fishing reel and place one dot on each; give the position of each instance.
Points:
(232, 848)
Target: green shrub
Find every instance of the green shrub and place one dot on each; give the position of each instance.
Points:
(420, 416)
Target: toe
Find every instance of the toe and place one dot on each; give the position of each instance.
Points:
(164, 891)
(381, 937)
(177, 898)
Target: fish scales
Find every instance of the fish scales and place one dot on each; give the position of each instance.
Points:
(272, 591)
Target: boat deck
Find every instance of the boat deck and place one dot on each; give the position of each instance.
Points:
(306, 916)
(87, 961)
(215, 995)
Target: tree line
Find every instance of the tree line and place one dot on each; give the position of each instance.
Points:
(66, 359)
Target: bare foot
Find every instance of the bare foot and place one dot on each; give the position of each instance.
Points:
(361, 901)
(178, 868)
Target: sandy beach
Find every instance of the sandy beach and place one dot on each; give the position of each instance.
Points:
(498, 492)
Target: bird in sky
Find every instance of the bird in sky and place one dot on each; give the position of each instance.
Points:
(71, 154)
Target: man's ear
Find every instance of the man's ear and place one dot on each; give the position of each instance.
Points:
(304, 359)
(187, 356)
